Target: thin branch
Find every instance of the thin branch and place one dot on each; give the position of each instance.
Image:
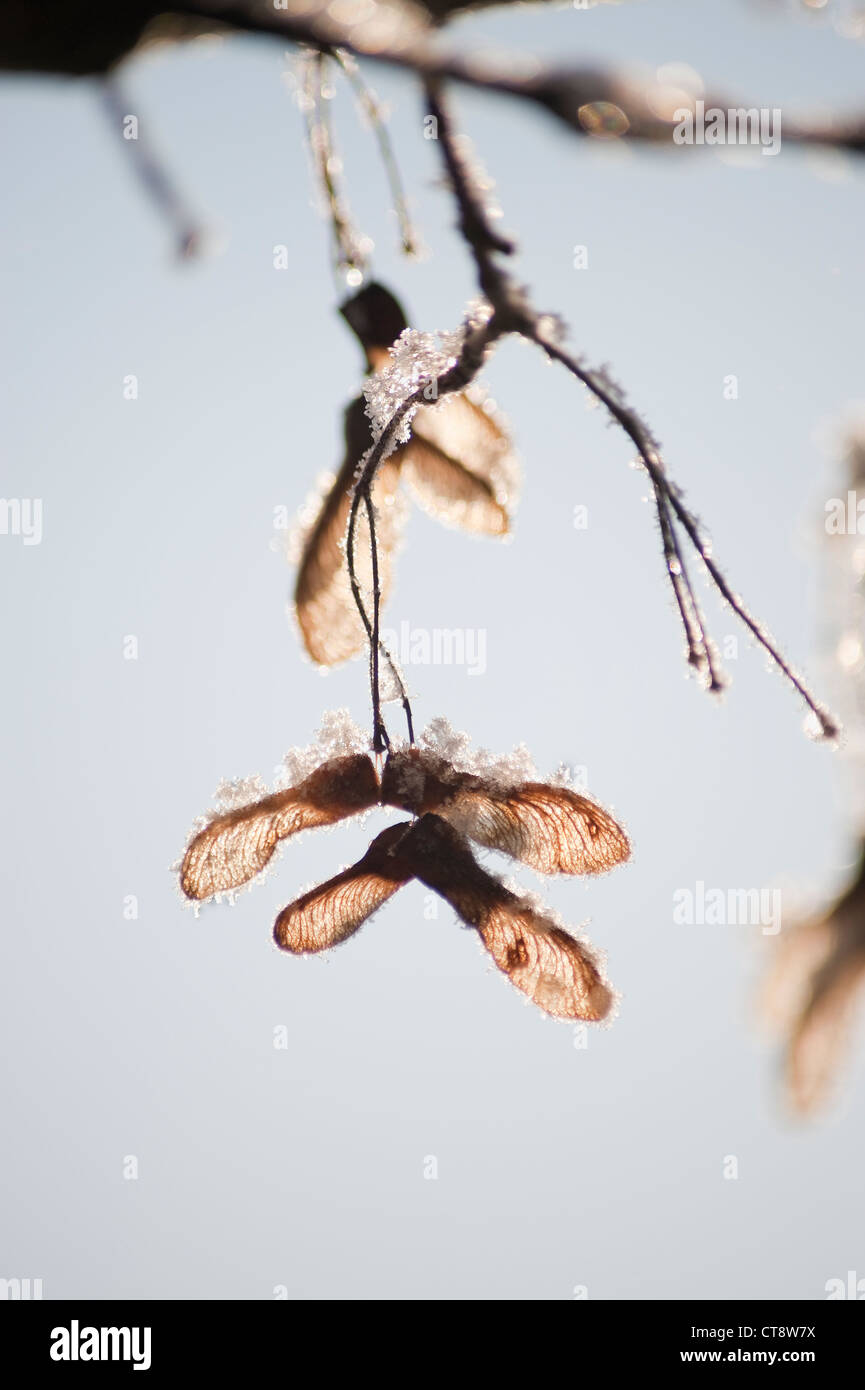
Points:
(349, 256)
(380, 739)
(634, 428)
(369, 103)
(512, 312)
(701, 651)
(475, 347)
(582, 98)
(371, 626)
(151, 172)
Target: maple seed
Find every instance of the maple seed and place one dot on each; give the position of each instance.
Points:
(237, 845)
(815, 987)
(555, 970)
(548, 826)
(552, 829)
(333, 911)
(457, 462)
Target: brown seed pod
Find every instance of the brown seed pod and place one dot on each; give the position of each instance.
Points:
(458, 463)
(460, 467)
(334, 910)
(552, 829)
(814, 990)
(555, 970)
(236, 845)
(329, 622)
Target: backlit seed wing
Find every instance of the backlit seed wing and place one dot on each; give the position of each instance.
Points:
(237, 845)
(555, 970)
(814, 988)
(460, 466)
(552, 829)
(329, 622)
(332, 912)
(449, 491)
(822, 1031)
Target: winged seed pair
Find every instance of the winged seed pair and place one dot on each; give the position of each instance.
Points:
(549, 827)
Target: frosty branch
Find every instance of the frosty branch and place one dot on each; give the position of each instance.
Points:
(460, 374)
(421, 419)
(510, 311)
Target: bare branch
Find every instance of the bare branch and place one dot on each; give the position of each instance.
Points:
(512, 312)
(349, 249)
(152, 173)
(371, 108)
(591, 102)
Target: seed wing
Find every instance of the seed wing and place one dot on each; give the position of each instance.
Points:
(555, 970)
(236, 845)
(552, 829)
(329, 622)
(333, 911)
(460, 466)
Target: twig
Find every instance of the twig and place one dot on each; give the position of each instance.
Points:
(371, 626)
(349, 258)
(512, 312)
(369, 103)
(380, 739)
(573, 95)
(455, 378)
(152, 173)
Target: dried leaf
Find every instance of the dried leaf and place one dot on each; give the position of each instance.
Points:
(237, 845)
(326, 612)
(557, 972)
(552, 829)
(333, 911)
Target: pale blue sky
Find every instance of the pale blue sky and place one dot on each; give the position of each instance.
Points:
(557, 1167)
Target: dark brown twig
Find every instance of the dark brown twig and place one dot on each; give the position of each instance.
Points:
(513, 313)
(152, 173)
(574, 96)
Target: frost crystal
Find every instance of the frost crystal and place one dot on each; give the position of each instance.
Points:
(298, 535)
(417, 360)
(506, 770)
(391, 679)
(239, 791)
(337, 737)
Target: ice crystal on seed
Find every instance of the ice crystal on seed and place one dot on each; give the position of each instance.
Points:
(239, 791)
(337, 737)
(504, 770)
(417, 359)
(306, 517)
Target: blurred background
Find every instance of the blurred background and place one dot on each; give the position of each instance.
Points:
(282, 1114)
